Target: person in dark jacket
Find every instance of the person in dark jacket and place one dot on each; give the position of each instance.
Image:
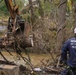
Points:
(68, 55)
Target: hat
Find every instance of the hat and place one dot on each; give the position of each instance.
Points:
(75, 30)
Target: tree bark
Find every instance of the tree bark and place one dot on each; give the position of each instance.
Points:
(61, 24)
(31, 11)
(74, 15)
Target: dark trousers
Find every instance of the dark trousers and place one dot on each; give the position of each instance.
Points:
(69, 71)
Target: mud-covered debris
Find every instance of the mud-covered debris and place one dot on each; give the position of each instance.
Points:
(51, 70)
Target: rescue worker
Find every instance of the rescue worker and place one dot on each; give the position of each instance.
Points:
(68, 55)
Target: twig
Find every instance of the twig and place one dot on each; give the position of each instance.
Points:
(3, 56)
(58, 62)
(62, 26)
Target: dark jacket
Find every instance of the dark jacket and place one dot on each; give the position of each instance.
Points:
(69, 48)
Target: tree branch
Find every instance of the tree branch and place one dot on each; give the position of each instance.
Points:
(62, 3)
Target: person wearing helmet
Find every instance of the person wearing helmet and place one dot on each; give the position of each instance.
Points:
(68, 55)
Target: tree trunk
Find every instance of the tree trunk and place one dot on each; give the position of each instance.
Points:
(74, 15)
(31, 11)
(61, 24)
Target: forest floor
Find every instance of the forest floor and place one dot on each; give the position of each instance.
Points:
(42, 62)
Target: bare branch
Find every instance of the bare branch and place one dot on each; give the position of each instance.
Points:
(62, 3)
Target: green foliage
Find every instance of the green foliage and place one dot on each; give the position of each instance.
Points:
(47, 7)
(1, 1)
(3, 8)
(20, 3)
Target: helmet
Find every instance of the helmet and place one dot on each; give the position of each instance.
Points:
(75, 30)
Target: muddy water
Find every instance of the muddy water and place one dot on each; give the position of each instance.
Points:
(35, 58)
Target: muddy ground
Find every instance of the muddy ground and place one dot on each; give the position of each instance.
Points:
(39, 62)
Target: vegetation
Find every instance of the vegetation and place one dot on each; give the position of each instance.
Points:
(52, 23)
(43, 16)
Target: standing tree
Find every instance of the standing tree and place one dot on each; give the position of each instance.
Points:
(31, 11)
(74, 15)
(61, 24)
